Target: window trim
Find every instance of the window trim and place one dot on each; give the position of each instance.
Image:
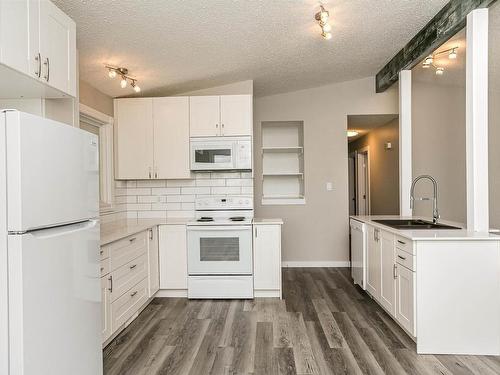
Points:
(105, 125)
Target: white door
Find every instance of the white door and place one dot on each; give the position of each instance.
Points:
(105, 308)
(373, 262)
(153, 261)
(204, 116)
(220, 250)
(352, 185)
(171, 137)
(58, 48)
(236, 115)
(173, 256)
(52, 172)
(405, 298)
(362, 184)
(16, 49)
(133, 138)
(267, 257)
(55, 301)
(388, 276)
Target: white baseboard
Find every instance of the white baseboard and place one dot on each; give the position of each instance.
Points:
(293, 264)
(179, 293)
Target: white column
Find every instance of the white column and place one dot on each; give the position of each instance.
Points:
(405, 163)
(477, 121)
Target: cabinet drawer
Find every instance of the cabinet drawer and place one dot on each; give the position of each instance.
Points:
(104, 252)
(128, 275)
(123, 251)
(127, 305)
(105, 266)
(405, 259)
(404, 244)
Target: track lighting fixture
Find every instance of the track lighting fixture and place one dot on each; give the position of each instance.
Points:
(113, 72)
(430, 60)
(322, 18)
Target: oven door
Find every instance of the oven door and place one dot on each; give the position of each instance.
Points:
(212, 155)
(220, 250)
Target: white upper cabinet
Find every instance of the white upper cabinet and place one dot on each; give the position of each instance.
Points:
(226, 115)
(133, 138)
(204, 116)
(171, 137)
(236, 115)
(57, 48)
(39, 40)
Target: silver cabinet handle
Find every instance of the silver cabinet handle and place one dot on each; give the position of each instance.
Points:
(156, 174)
(102, 269)
(132, 239)
(110, 283)
(133, 266)
(222, 129)
(38, 59)
(101, 252)
(402, 242)
(133, 294)
(256, 232)
(400, 257)
(395, 271)
(47, 64)
(151, 234)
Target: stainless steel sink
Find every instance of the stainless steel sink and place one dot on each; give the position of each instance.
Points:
(410, 224)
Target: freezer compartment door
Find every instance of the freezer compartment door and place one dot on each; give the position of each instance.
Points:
(52, 172)
(54, 301)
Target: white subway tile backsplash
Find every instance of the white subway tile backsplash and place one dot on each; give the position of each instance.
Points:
(195, 190)
(247, 190)
(180, 198)
(187, 206)
(138, 206)
(202, 175)
(246, 175)
(125, 199)
(165, 191)
(151, 215)
(131, 184)
(120, 183)
(226, 190)
(212, 182)
(226, 175)
(240, 182)
(151, 183)
(149, 199)
(141, 191)
(180, 183)
(180, 214)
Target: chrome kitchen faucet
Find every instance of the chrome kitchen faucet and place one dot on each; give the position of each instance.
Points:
(435, 212)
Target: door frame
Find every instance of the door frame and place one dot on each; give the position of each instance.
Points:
(366, 151)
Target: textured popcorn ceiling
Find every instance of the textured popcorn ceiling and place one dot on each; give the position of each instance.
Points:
(174, 46)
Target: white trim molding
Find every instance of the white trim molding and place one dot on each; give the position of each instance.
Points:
(477, 121)
(405, 161)
(312, 264)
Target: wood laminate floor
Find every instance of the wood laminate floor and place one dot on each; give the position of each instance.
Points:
(324, 325)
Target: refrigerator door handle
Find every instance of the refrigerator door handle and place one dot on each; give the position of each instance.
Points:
(64, 229)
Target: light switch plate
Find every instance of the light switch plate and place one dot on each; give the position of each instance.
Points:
(329, 186)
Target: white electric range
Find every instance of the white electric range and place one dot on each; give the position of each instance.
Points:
(220, 259)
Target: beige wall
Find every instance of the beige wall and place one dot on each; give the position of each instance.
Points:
(95, 99)
(318, 231)
(384, 167)
(438, 147)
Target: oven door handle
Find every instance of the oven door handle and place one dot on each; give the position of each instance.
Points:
(227, 228)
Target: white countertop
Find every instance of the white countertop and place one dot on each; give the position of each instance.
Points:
(119, 229)
(262, 221)
(431, 234)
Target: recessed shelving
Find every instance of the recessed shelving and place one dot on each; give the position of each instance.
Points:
(283, 162)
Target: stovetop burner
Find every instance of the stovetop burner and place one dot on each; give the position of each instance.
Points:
(237, 218)
(205, 219)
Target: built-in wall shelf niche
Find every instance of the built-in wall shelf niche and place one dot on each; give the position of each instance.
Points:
(282, 162)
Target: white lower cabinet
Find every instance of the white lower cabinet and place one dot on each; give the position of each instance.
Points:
(405, 298)
(387, 272)
(105, 308)
(373, 262)
(173, 258)
(153, 262)
(267, 260)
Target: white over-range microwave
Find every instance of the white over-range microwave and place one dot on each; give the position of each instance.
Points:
(221, 153)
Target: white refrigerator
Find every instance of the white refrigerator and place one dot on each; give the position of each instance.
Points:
(49, 248)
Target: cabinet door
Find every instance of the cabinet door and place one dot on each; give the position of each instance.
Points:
(19, 35)
(267, 257)
(58, 48)
(173, 256)
(133, 138)
(204, 116)
(388, 276)
(236, 115)
(373, 262)
(405, 298)
(153, 262)
(105, 308)
(171, 137)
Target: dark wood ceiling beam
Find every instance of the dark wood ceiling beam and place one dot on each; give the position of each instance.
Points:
(450, 20)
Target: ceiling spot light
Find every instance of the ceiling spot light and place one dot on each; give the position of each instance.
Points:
(439, 71)
(123, 82)
(352, 133)
(322, 17)
(136, 87)
(429, 60)
(453, 54)
(112, 73)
